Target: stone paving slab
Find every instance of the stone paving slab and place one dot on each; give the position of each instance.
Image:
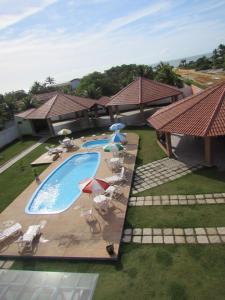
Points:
(159, 172)
(200, 235)
(199, 199)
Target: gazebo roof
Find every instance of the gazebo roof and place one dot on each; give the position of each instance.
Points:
(61, 104)
(143, 90)
(104, 100)
(200, 115)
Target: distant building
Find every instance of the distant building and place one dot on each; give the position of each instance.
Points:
(72, 84)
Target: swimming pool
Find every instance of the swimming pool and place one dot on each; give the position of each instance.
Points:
(95, 143)
(61, 188)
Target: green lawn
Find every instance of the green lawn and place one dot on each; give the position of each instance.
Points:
(15, 148)
(151, 272)
(207, 180)
(145, 271)
(176, 216)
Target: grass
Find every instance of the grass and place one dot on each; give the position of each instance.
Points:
(151, 272)
(148, 148)
(176, 216)
(15, 148)
(15, 179)
(207, 180)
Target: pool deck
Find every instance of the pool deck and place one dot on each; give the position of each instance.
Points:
(67, 235)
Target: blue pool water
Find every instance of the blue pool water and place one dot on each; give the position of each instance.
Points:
(95, 143)
(61, 188)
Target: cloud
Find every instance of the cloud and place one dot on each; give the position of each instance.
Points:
(135, 16)
(8, 19)
(146, 35)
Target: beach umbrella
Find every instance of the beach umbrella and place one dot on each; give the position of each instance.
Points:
(117, 126)
(118, 137)
(113, 147)
(93, 185)
(64, 131)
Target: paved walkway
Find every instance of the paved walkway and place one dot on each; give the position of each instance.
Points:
(21, 155)
(160, 172)
(216, 198)
(207, 235)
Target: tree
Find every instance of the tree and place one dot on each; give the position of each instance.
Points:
(183, 63)
(164, 73)
(39, 88)
(112, 80)
(36, 88)
(49, 80)
(29, 102)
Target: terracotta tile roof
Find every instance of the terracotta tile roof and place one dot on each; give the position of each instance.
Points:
(61, 104)
(202, 114)
(104, 100)
(45, 96)
(25, 113)
(143, 90)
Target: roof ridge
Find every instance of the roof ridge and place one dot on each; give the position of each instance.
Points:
(118, 93)
(177, 103)
(180, 102)
(53, 101)
(218, 106)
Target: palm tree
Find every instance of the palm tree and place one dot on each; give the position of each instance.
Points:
(49, 80)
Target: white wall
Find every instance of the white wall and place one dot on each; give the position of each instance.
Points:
(8, 135)
(24, 126)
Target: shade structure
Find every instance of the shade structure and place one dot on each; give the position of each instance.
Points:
(59, 105)
(64, 131)
(93, 185)
(143, 90)
(113, 147)
(118, 137)
(116, 126)
(201, 115)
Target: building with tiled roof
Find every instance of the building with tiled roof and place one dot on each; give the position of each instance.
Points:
(142, 92)
(60, 106)
(202, 115)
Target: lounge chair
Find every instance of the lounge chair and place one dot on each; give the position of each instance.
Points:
(53, 150)
(117, 178)
(26, 240)
(113, 192)
(12, 231)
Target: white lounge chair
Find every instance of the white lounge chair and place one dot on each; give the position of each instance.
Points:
(53, 150)
(117, 178)
(12, 231)
(26, 240)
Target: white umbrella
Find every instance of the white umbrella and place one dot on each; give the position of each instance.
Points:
(64, 131)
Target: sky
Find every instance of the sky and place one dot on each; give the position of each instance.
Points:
(66, 39)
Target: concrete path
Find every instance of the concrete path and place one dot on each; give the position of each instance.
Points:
(200, 235)
(215, 198)
(12, 161)
(159, 172)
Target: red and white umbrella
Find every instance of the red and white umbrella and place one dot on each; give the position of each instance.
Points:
(93, 185)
